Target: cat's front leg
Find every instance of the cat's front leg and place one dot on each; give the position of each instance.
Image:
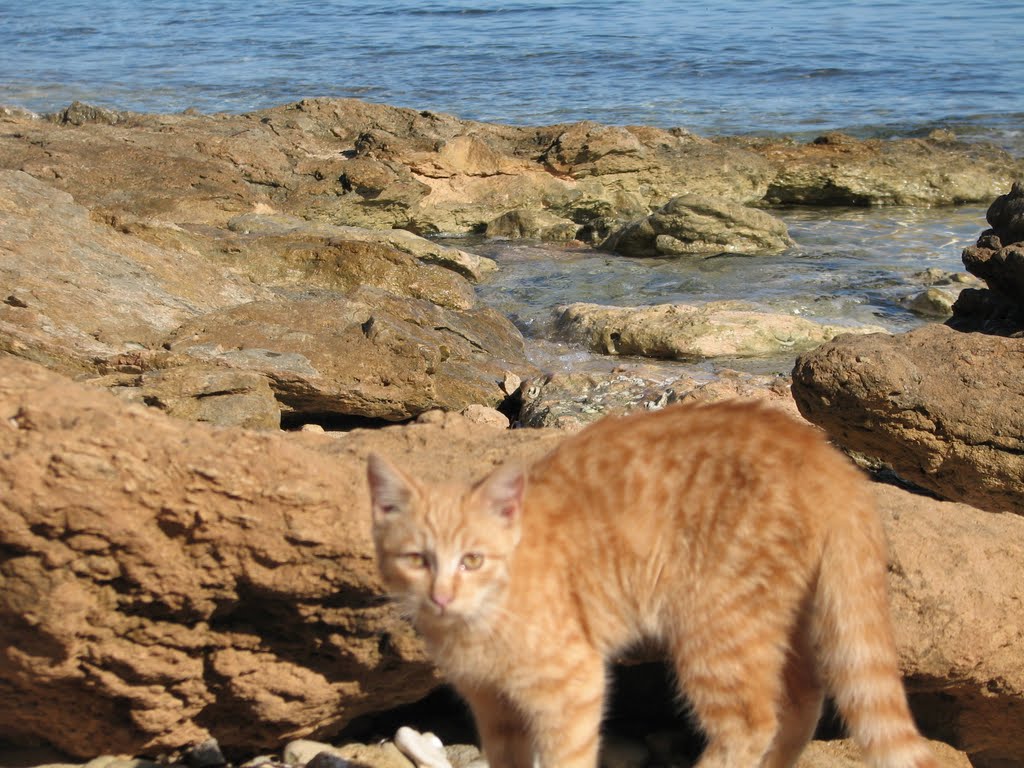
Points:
(504, 732)
(565, 705)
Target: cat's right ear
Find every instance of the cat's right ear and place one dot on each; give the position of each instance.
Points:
(390, 490)
(502, 493)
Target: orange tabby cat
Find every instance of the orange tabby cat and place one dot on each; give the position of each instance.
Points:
(730, 533)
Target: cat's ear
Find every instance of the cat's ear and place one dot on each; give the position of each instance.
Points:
(501, 493)
(391, 491)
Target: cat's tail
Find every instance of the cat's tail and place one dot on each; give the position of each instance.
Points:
(854, 632)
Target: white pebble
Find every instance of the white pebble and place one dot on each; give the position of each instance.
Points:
(424, 749)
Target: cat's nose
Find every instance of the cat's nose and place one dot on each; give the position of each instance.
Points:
(441, 599)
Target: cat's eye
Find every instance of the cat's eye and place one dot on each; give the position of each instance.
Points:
(471, 561)
(416, 560)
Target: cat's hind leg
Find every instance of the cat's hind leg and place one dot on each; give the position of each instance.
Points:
(800, 708)
(733, 681)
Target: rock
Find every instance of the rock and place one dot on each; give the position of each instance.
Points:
(692, 332)
(998, 258)
(481, 414)
(469, 265)
(944, 409)
(530, 224)
(204, 393)
(839, 170)
(932, 302)
(80, 292)
(425, 750)
(383, 755)
(845, 754)
(300, 751)
(205, 755)
(371, 354)
(329, 760)
(956, 590)
(163, 582)
(570, 401)
(374, 166)
(695, 224)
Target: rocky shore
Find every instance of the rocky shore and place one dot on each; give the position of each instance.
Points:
(175, 567)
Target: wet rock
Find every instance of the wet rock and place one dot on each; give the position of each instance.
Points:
(695, 224)
(839, 170)
(932, 302)
(692, 332)
(370, 354)
(535, 225)
(944, 409)
(998, 257)
(570, 401)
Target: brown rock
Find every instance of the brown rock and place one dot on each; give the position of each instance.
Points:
(162, 582)
(78, 292)
(957, 588)
(371, 354)
(845, 754)
(944, 409)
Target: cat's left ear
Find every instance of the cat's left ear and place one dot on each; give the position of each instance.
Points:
(390, 490)
(502, 493)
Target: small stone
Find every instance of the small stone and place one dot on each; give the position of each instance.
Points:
(302, 751)
(328, 759)
(205, 755)
(511, 383)
(315, 428)
(481, 414)
(464, 756)
(932, 302)
(424, 749)
(384, 755)
(264, 761)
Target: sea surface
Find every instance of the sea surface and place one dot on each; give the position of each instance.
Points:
(733, 67)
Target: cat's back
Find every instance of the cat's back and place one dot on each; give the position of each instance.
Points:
(738, 462)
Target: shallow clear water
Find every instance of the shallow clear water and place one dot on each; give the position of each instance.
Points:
(848, 267)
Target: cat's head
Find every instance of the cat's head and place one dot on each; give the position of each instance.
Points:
(443, 549)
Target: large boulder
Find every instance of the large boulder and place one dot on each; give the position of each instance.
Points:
(367, 354)
(718, 329)
(163, 582)
(696, 224)
(78, 292)
(944, 409)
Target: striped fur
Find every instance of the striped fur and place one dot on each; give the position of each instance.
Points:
(730, 533)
